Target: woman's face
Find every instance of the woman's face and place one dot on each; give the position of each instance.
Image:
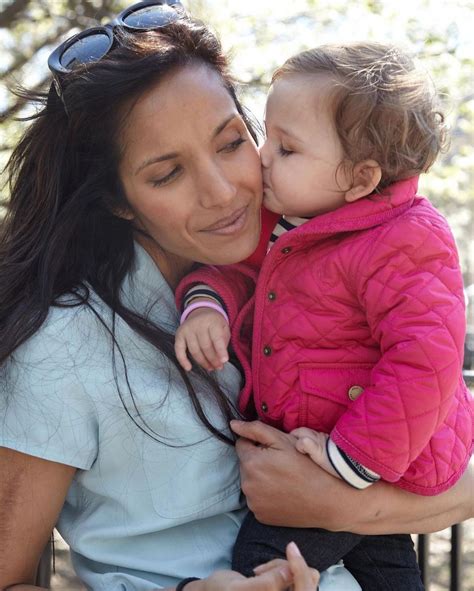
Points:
(191, 171)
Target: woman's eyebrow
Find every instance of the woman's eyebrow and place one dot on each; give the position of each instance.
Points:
(155, 159)
(223, 125)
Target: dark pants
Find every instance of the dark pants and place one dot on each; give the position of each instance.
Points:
(379, 563)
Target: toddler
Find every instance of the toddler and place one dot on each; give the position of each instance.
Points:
(358, 308)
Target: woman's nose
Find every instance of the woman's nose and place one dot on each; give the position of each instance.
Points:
(217, 188)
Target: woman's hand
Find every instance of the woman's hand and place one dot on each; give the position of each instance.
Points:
(284, 487)
(276, 575)
(303, 576)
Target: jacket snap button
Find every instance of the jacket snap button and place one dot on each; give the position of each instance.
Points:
(286, 250)
(267, 350)
(264, 406)
(272, 296)
(354, 392)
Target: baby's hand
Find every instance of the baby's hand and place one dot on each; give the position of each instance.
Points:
(313, 444)
(205, 334)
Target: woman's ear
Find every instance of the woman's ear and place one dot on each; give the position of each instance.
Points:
(366, 176)
(125, 214)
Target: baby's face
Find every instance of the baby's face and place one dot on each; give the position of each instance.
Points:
(302, 152)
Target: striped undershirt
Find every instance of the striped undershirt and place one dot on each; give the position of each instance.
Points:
(285, 224)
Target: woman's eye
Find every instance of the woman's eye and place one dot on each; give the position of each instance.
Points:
(168, 178)
(232, 146)
(283, 152)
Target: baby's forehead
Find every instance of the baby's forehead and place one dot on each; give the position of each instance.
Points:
(320, 87)
(312, 94)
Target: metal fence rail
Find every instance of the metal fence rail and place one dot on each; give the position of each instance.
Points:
(455, 559)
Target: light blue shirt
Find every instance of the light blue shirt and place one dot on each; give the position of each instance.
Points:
(140, 513)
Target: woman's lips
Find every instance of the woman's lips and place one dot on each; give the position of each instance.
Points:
(230, 224)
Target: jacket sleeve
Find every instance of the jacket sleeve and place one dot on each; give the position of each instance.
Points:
(410, 286)
(235, 284)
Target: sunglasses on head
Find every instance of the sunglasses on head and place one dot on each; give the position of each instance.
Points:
(94, 43)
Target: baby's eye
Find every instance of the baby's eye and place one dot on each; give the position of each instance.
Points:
(283, 151)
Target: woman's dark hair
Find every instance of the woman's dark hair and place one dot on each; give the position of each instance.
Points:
(60, 235)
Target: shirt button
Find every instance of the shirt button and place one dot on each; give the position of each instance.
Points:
(264, 406)
(267, 350)
(272, 296)
(354, 392)
(286, 250)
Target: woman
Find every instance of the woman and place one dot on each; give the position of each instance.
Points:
(140, 164)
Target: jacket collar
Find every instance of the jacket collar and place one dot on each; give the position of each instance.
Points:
(364, 213)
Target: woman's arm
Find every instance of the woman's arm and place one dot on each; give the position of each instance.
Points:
(32, 493)
(284, 487)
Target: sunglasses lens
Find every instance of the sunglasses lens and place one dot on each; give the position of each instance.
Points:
(85, 50)
(150, 17)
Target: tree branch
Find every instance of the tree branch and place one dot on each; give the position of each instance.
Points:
(11, 11)
(21, 60)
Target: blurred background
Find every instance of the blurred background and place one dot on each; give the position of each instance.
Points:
(260, 35)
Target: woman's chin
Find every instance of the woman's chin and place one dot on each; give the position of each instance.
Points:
(238, 249)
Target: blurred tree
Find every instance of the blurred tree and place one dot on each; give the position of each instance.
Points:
(260, 36)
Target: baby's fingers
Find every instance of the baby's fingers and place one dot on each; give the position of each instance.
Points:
(195, 349)
(209, 352)
(220, 336)
(180, 348)
(301, 432)
(309, 447)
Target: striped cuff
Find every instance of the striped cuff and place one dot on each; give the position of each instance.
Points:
(202, 291)
(349, 469)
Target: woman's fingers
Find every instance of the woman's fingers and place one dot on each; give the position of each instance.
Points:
(276, 578)
(256, 431)
(293, 570)
(263, 568)
(304, 577)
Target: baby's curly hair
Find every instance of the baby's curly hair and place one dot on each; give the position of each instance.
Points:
(384, 107)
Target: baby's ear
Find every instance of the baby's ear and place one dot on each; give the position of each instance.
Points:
(366, 176)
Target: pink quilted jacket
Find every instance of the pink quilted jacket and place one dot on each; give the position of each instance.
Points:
(358, 331)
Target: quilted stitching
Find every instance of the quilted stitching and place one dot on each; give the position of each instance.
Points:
(390, 296)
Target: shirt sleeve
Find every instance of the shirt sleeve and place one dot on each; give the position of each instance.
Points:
(45, 410)
(350, 470)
